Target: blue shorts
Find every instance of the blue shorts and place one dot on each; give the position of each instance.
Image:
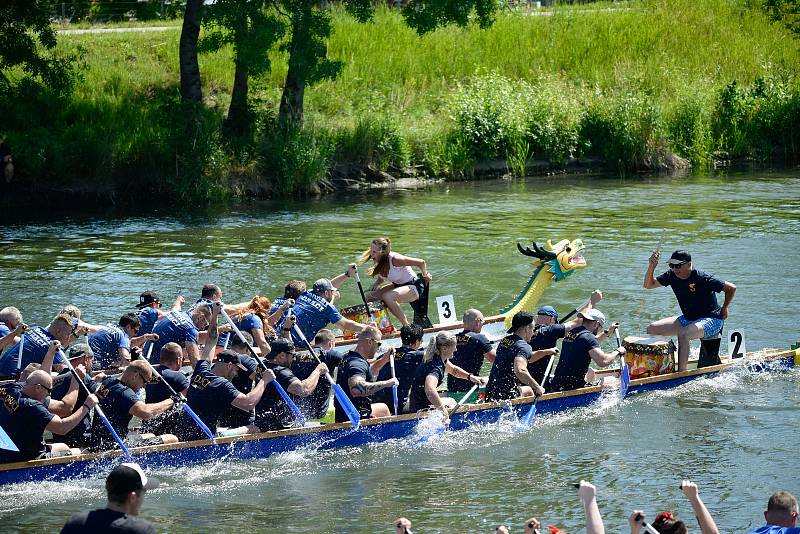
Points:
(711, 325)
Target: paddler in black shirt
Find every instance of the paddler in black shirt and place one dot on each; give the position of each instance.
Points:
(509, 377)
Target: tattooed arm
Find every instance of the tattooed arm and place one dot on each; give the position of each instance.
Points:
(359, 387)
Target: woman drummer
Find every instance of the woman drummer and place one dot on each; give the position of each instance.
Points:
(430, 374)
(403, 285)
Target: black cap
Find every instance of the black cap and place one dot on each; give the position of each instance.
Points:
(521, 319)
(322, 285)
(679, 256)
(230, 356)
(147, 298)
(279, 345)
(129, 477)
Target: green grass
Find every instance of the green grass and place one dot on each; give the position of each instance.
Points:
(631, 86)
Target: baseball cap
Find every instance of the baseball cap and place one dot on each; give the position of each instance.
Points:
(79, 350)
(323, 284)
(129, 477)
(678, 257)
(594, 315)
(521, 319)
(549, 311)
(279, 345)
(229, 356)
(147, 298)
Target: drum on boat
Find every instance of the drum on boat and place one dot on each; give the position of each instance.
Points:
(649, 355)
(359, 314)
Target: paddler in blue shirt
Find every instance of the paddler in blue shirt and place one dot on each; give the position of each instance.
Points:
(314, 309)
(183, 328)
(36, 340)
(112, 344)
(10, 318)
(702, 316)
(781, 515)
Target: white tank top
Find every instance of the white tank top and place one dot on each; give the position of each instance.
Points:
(399, 275)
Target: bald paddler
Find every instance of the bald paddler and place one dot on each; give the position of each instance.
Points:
(509, 377)
(120, 401)
(702, 316)
(580, 347)
(472, 347)
(25, 418)
(10, 318)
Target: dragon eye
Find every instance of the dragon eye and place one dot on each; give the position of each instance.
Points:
(569, 249)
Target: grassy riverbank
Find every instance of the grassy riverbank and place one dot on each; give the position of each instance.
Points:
(653, 84)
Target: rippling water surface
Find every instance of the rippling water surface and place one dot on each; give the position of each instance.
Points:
(734, 434)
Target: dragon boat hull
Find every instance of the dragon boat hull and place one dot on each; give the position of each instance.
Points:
(342, 435)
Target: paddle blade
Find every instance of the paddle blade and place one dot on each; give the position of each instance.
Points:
(394, 393)
(347, 405)
(527, 420)
(200, 423)
(298, 415)
(6, 442)
(624, 379)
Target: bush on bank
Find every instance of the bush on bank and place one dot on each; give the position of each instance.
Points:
(640, 88)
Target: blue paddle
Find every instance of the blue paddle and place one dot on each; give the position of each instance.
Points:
(624, 371)
(184, 405)
(298, 415)
(6, 442)
(527, 420)
(344, 401)
(394, 386)
(98, 411)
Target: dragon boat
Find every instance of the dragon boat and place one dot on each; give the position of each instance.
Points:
(553, 262)
(340, 435)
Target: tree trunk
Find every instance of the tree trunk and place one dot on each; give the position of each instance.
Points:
(291, 109)
(238, 121)
(191, 88)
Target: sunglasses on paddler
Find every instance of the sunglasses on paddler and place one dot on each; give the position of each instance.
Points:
(677, 265)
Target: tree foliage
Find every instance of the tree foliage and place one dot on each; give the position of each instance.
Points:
(28, 42)
(786, 12)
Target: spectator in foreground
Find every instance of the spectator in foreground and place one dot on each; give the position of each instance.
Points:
(126, 487)
(402, 526)
(781, 515)
(665, 523)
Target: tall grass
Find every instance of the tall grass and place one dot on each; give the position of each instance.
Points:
(700, 79)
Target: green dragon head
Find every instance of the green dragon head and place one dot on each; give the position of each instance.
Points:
(561, 259)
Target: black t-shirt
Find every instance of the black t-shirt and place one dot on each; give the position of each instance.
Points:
(574, 360)
(116, 400)
(272, 412)
(353, 365)
(77, 436)
(435, 367)
(502, 380)
(208, 396)
(470, 348)
(697, 295)
(233, 417)
(24, 420)
(406, 362)
(315, 406)
(545, 337)
(105, 520)
(156, 391)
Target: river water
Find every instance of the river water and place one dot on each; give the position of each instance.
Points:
(735, 434)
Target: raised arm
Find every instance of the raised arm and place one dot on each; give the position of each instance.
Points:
(8, 339)
(707, 525)
(649, 280)
(594, 521)
(338, 280)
